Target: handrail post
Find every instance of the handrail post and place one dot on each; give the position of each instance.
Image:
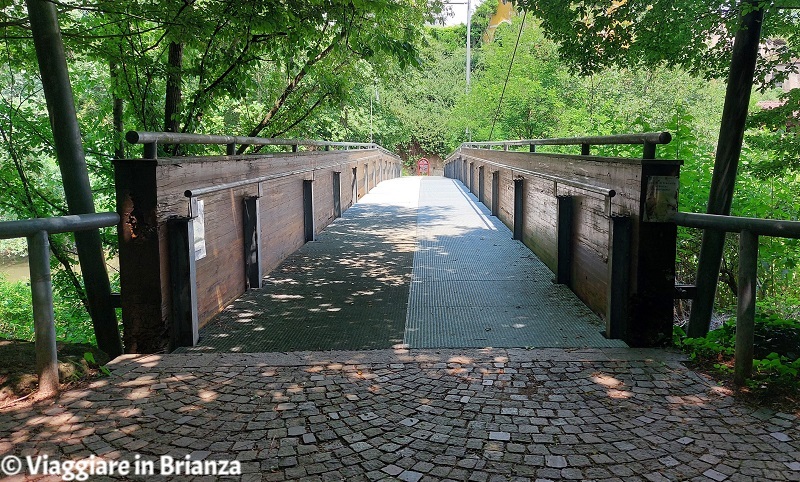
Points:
(585, 149)
(43, 317)
(230, 149)
(150, 150)
(649, 150)
(746, 306)
(617, 307)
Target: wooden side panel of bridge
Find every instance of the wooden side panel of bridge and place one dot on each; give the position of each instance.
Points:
(644, 308)
(151, 196)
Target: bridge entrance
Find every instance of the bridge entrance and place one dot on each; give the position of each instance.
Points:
(416, 262)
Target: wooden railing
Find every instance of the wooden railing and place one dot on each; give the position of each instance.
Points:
(197, 231)
(586, 218)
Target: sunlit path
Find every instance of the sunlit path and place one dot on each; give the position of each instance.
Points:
(416, 262)
(473, 286)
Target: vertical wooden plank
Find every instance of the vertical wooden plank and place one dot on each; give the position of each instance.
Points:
(495, 193)
(354, 186)
(308, 209)
(617, 307)
(564, 240)
(654, 285)
(337, 195)
(138, 236)
(519, 215)
(472, 177)
(480, 184)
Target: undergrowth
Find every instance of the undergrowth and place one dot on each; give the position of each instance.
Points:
(776, 354)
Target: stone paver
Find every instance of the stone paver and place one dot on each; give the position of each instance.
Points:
(606, 415)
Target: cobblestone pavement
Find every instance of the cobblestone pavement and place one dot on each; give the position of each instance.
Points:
(476, 415)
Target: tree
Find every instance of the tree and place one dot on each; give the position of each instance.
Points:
(701, 39)
(74, 173)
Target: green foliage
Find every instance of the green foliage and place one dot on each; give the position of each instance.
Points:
(776, 350)
(89, 358)
(73, 324)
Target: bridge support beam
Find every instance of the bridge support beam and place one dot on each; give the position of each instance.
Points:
(564, 240)
(252, 242)
(183, 279)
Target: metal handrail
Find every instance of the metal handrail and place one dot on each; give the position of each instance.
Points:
(37, 230)
(232, 185)
(603, 191)
(642, 138)
(62, 224)
(152, 139)
(749, 230)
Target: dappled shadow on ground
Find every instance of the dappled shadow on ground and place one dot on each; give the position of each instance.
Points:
(417, 262)
(549, 414)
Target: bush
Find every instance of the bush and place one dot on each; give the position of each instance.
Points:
(776, 350)
(73, 324)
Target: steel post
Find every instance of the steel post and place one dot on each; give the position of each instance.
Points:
(43, 317)
(746, 306)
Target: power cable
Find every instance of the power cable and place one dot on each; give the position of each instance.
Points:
(508, 74)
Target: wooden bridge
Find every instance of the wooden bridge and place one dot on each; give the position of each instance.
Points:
(231, 252)
(199, 232)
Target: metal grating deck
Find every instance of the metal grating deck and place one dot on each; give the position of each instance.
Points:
(474, 286)
(416, 261)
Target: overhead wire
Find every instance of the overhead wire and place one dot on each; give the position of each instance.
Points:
(508, 74)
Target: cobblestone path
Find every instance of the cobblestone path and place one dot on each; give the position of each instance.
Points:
(424, 415)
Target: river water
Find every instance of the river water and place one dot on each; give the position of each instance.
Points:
(18, 269)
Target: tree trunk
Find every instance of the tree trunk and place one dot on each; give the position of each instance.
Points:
(726, 163)
(74, 173)
(172, 102)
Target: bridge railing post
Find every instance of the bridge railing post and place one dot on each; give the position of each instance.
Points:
(564, 240)
(183, 280)
(617, 307)
(252, 241)
(519, 215)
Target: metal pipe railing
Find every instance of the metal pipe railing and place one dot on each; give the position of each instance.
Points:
(37, 230)
(232, 185)
(603, 191)
(152, 139)
(749, 230)
(649, 140)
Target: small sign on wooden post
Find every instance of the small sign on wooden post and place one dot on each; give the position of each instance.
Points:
(422, 166)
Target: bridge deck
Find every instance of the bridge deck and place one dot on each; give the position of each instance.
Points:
(418, 261)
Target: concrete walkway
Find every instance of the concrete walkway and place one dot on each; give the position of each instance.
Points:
(419, 415)
(417, 262)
